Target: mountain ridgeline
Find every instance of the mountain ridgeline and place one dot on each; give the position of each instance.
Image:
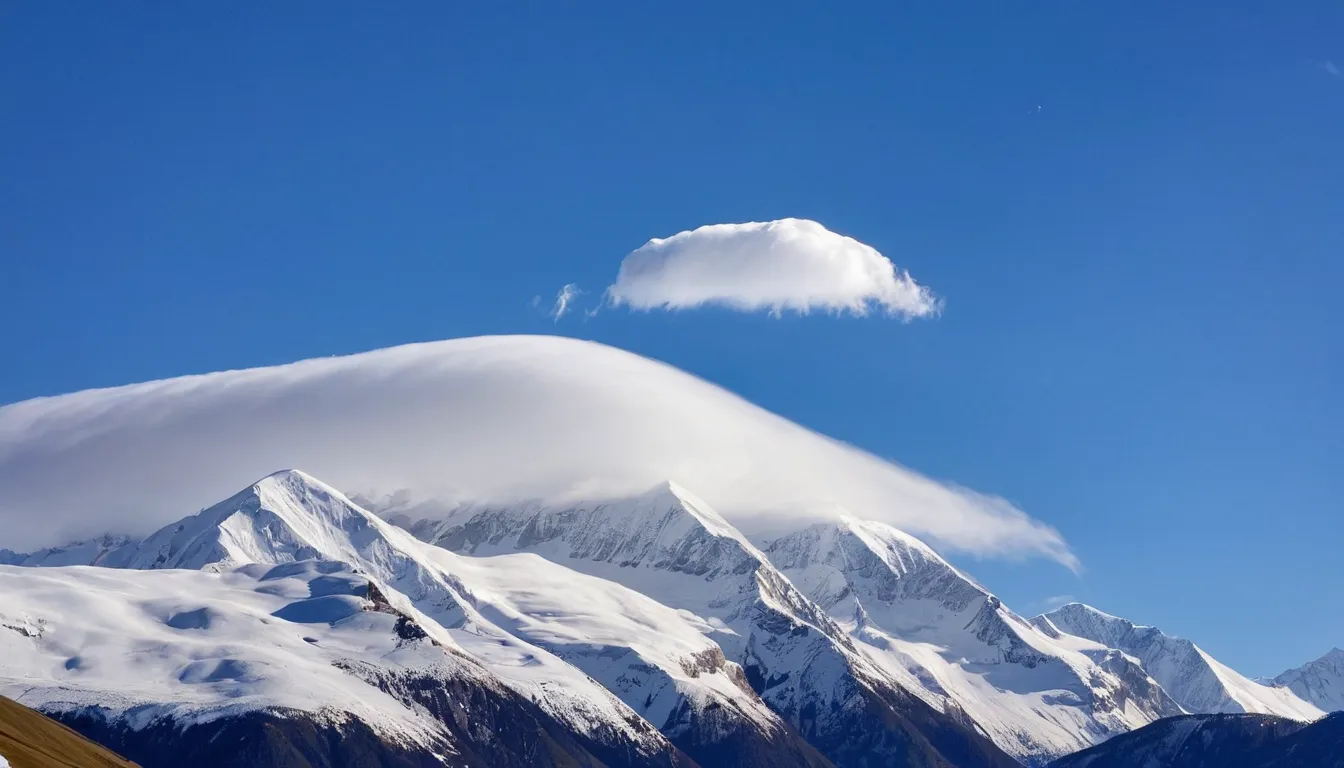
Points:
(306, 630)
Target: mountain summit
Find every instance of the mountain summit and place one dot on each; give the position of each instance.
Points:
(1320, 682)
(1197, 681)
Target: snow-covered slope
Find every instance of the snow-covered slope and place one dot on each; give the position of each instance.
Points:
(671, 546)
(194, 647)
(87, 552)
(291, 516)
(915, 615)
(160, 664)
(588, 651)
(1320, 682)
(663, 663)
(1197, 681)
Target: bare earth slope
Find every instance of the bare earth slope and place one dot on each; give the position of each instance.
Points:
(29, 739)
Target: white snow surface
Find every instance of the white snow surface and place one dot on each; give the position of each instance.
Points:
(789, 264)
(603, 612)
(653, 657)
(195, 646)
(671, 546)
(915, 615)
(897, 612)
(1197, 681)
(489, 419)
(594, 654)
(1320, 682)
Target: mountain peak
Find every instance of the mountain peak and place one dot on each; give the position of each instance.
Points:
(293, 480)
(1320, 682)
(849, 544)
(1073, 613)
(287, 515)
(1197, 681)
(282, 475)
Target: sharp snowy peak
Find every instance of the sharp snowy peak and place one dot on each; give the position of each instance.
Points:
(671, 546)
(1320, 682)
(1197, 681)
(610, 664)
(291, 517)
(916, 616)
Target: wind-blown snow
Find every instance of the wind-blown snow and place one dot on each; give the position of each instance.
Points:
(482, 419)
(786, 265)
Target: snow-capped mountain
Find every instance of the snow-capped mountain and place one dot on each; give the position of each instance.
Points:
(638, 631)
(673, 547)
(1320, 682)
(1197, 681)
(916, 616)
(587, 651)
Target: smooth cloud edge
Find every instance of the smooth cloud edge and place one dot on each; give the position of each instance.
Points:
(899, 295)
(78, 433)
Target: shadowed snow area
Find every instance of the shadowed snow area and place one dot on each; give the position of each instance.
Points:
(495, 419)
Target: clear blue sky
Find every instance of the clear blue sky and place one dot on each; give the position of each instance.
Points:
(1134, 211)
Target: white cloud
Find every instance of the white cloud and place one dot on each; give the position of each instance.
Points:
(1331, 69)
(786, 265)
(488, 419)
(563, 298)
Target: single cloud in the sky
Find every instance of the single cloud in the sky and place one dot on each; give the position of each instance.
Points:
(563, 298)
(786, 265)
(1331, 69)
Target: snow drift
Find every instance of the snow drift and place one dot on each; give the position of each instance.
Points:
(484, 419)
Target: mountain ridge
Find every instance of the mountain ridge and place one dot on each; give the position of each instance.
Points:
(1197, 681)
(649, 625)
(912, 611)
(1320, 682)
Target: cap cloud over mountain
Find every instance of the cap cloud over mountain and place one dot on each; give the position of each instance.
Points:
(488, 418)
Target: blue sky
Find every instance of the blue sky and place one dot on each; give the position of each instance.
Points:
(1133, 211)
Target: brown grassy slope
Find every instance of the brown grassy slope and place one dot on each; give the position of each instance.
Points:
(30, 739)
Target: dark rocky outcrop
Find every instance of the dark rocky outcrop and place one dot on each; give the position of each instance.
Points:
(1221, 741)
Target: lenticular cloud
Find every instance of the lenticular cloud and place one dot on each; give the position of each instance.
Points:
(786, 265)
(498, 418)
